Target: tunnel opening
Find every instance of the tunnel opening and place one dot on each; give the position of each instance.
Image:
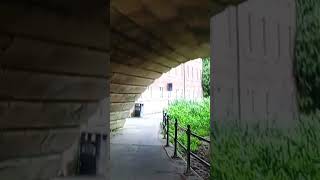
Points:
(143, 131)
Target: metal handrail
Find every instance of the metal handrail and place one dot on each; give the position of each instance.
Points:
(171, 135)
(200, 138)
(177, 142)
(184, 147)
(182, 128)
(203, 161)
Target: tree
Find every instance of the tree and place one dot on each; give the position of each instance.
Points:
(206, 76)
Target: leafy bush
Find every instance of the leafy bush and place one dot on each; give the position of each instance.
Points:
(307, 54)
(206, 77)
(267, 154)
(193, 113)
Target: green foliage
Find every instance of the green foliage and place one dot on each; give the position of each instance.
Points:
(307, 54)
(206, 77)
(267, 154)
(193, 113)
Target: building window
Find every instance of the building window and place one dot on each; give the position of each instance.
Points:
(192, 73)
(187, 72)
(196, 73)
(161, 92)
(169, 87)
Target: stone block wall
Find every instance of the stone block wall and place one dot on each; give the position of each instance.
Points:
(53, 74)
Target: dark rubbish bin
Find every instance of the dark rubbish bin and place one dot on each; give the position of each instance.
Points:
(138, 110)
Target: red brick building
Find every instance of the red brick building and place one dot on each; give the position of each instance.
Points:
(182, 82)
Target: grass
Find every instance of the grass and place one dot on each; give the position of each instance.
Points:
(243, 154)
(267, 154)
(193, 113)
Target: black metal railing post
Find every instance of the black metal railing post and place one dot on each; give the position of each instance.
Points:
(188, 150)
(164, 124)
(167, 120)
(175, 139)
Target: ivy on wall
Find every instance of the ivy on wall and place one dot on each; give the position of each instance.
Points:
(307, 54)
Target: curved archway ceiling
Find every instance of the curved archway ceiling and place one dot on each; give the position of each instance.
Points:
(148, 38)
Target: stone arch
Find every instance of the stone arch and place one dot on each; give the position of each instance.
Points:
(143, 47)
(63, 63)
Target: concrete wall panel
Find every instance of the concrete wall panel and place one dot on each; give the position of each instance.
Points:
(224, 66)
(261, 69)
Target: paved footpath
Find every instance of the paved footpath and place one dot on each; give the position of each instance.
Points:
(137, 152)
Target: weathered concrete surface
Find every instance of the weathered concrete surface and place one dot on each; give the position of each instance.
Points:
(99, 123)
(54, 71)
(137, 153)
(252, 63)
(80, 178)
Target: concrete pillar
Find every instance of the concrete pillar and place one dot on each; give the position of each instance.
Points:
(252, 64)
(54, 76)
